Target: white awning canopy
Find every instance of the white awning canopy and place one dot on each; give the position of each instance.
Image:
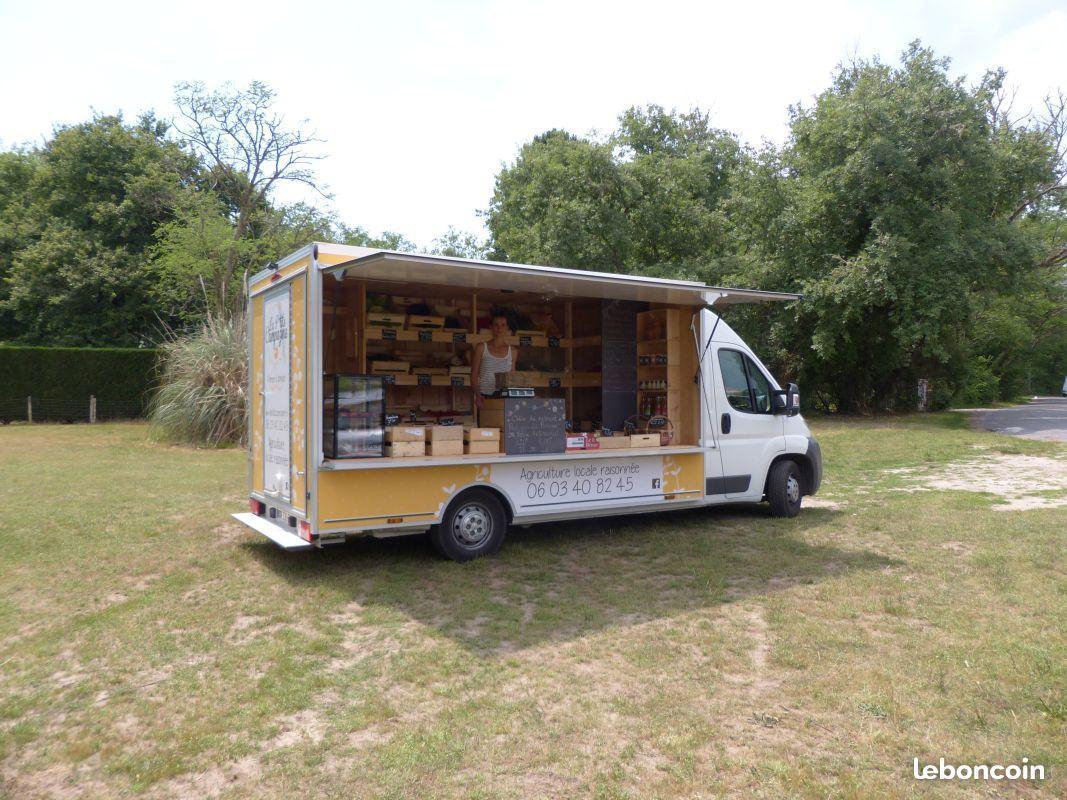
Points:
(545, 281)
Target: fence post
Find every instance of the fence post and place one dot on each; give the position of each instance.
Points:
(29, 409)
(92, 408)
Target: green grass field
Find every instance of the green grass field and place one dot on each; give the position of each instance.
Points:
(150, 646)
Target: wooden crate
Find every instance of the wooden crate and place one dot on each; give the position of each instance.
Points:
(390, 367)
(645, 440)
(481, 434)
(445, 448)
(613, 442)
(424, 322)
(382, 319)
(481, 448)
(405, 449)
(405, 433)
(445, 433)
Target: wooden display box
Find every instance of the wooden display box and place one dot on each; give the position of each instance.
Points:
(423, 322)
(390, 367)
(645, 440)
(481, 448)
(405, 449)
(448, 447)
(444, 433)
(481, 434)
(613, 442)
(382, 319)
(405, 433)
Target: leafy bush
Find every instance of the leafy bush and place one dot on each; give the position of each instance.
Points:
(981, 385)
(201, 397)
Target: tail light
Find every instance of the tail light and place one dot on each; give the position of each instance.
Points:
(256, 507)
(305, 530)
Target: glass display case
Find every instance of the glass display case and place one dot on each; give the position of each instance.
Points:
(353, 416)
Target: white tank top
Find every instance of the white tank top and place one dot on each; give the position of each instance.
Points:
(490, 366)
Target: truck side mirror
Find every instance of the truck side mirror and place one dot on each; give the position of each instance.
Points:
(786, 401)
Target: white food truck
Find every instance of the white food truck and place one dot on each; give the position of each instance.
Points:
(613, 394)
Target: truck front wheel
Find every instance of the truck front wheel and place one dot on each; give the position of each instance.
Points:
(474, 525)
(784, 489)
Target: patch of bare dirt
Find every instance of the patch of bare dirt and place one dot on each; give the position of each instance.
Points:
(1018, 480)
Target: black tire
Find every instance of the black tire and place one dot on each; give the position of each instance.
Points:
(785, 487)
(474, 525)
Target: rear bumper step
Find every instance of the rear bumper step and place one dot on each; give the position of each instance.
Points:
(280, 536)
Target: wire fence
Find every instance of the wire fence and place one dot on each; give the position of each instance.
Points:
(68, 410)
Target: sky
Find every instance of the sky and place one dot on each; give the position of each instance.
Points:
(421, 103)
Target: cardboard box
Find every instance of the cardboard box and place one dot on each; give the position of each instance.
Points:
(405, 449)
(482, 448)
(445, 433)
(405, 433)
(481, 434)
(447, 447)
(613, 442)
(644, 440)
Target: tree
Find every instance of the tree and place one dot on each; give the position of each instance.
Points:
(893, 208)
(647, 199)
(86, 209)
(248, 151)
(460, 244)
(563, 202)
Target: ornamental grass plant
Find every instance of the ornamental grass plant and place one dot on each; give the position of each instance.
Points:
(201, 396)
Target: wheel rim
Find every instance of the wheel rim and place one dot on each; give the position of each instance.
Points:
(472, 525)
(792, 489)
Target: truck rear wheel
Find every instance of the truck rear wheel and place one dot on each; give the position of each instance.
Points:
(474, 525)
(785, 488)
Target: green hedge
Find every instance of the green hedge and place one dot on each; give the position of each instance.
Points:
(73, 373)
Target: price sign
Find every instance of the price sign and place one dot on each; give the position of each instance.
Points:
(389, 379)
(392, 419)
(525, 341)
(459, 338)
(553, 341)
(457, 380)
(446, 421)
(425, 380)
(657, 422)
(425, 336)
(389, 334)
(554, 383)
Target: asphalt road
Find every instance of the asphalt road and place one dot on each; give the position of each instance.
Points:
(1043, 418)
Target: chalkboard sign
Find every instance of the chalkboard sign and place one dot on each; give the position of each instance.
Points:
(425, 336)
(618, 354)
(525, 341)
(554, 383)
(390, 379)
(553, 341)
(425, 380)
(459, 338)
(389, 333)
(534, 425)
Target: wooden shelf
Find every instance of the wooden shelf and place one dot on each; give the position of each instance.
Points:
(450, 337)
(434, 380)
